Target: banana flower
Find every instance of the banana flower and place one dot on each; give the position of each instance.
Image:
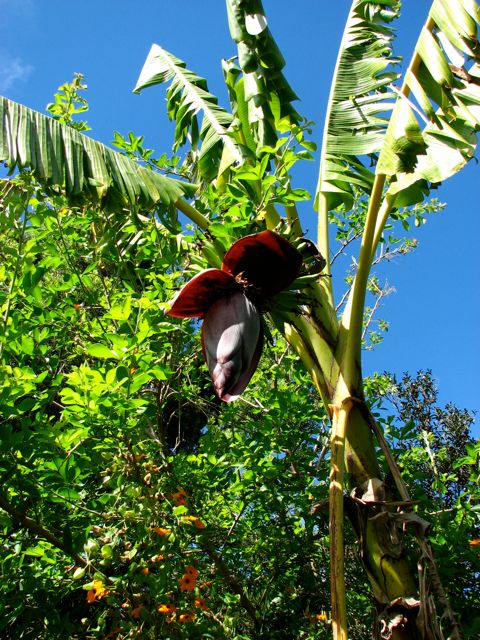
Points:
(255, 268)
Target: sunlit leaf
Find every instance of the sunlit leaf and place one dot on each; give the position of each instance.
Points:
(85, 170)
(432, 132)
(360, 102)
(186, 97)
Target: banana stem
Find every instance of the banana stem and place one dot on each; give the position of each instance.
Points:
(272, 218)
(352, 319)
(307, 356)
(202, 223)
(337, 555)
(195, 216)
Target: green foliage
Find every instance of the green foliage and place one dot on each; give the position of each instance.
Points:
(186, 97)
(135, 504)
(131, 471)
(103, 403)
(88, 171)
(68, 103)
(440, 462)
(360, 102)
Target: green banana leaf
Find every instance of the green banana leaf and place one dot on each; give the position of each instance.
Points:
(83, 169)
(261, 63)
(360, 102)
(186, 97)
(432, 131)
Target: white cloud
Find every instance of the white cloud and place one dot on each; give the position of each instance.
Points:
(12, 71)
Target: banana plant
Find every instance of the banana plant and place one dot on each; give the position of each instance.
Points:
(390, 138)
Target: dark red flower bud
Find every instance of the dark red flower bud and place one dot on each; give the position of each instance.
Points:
(197, 296)
(255, 267)
(232, 344)
(265, 260)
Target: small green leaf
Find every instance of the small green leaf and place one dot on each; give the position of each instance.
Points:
(98, 350)
(121, 311)
(27, 345)
(79, 573)
(106, 551)
(160, 372)
(37, 552)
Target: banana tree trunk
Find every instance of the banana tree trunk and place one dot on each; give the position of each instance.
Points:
(368, 504)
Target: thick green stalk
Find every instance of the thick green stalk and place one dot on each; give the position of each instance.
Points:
(309, 359)
(382, 217)
(353, 448)
(336, 492)
(201, 221)
(323, 245)
(318, 343)
(272, 217)
(195, 216)
(350, 339)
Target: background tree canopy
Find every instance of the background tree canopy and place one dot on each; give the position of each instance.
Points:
(133, 502)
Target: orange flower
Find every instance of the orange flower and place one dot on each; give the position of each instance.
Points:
(474, 543)
(189, 518)
(96, 592)
(166, 608)
(191, 571)
(161, 531)
(321, 617)
(180, 497)
(206, 584)
(200, 603)
(196, 521)
(187, 583)
(186, 617)
(157, 558)
(317, 617)
(145, 571)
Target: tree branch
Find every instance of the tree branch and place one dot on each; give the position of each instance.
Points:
(28, 523)
(233, 583)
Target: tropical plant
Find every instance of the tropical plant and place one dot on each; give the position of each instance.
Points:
(384, 148)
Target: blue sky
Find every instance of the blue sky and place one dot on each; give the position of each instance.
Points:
(433, 312)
